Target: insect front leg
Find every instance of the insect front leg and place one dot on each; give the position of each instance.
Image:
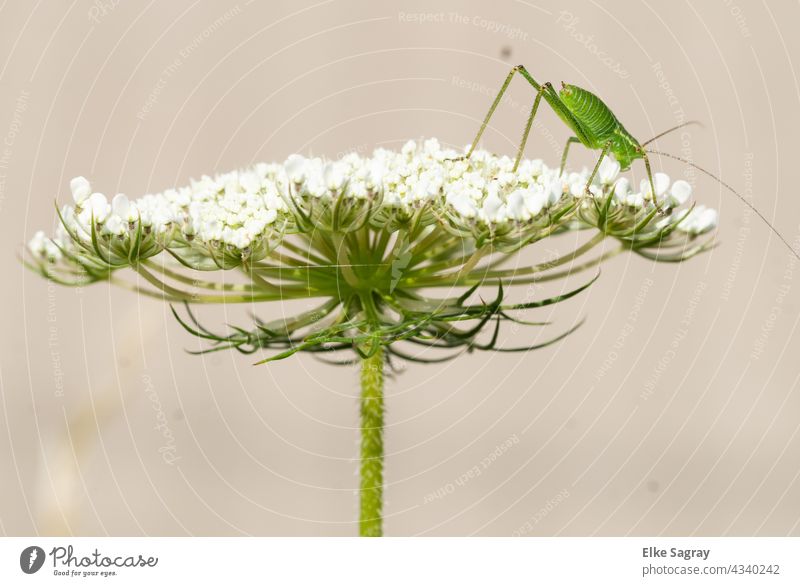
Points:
(570, 140)
(652, 184)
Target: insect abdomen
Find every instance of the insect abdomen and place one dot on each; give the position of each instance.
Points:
(598, 122)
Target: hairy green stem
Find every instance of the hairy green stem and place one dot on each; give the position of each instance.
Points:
(371, 519)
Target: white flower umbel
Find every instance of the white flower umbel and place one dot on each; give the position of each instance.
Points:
(371, 238)
(246, 213)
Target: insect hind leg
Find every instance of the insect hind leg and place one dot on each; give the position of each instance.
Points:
(496, 102)
(489, 114)
(528, 124)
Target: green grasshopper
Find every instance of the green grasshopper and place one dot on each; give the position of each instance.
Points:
(597, 128)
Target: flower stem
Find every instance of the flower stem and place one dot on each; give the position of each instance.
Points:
(371, 521)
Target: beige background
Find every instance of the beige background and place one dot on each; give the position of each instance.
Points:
(672, 411)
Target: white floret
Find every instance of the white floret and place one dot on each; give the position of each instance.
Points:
(680, 192)
(660, 182)
(699, 221)
(81, 189)
(42, 247)
(608, 171)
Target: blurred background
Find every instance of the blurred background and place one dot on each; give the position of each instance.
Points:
(672, 411)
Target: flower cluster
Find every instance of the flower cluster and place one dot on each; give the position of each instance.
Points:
(371, 236)
(241, 210)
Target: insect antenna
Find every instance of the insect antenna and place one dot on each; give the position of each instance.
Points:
(734, 192)
(674, 128)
